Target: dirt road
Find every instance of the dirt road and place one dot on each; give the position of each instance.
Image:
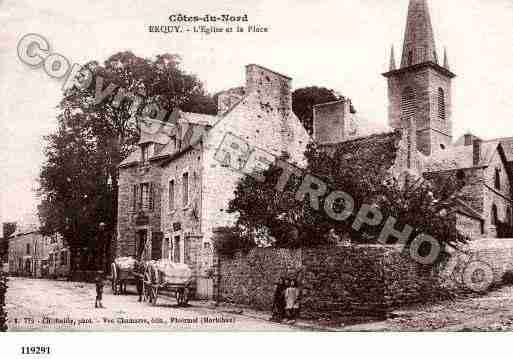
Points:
(44, 305)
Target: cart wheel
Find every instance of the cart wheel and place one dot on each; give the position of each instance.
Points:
(185, 300)
(178, 296)
(155, 296)
(114, 279)
(146, 292)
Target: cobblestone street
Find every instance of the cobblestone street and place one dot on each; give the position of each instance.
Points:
(43, 305)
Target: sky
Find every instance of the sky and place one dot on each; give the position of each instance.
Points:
(339, 44)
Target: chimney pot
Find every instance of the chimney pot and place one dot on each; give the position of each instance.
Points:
(476, 152)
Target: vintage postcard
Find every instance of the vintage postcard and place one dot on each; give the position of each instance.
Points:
(270, 166)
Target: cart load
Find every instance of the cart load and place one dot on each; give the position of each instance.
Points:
(166, 278)
(123, 273)
(166, 272)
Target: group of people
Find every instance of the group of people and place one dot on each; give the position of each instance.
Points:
(286, 300)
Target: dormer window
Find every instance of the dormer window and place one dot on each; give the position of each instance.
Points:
(147, 150)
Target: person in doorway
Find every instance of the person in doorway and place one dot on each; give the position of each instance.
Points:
(99, 290)
(279, 301)
(292, 300)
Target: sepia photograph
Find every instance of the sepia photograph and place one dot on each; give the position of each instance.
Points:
(256, 166)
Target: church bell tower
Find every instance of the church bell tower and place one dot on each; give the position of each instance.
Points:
(420, 89)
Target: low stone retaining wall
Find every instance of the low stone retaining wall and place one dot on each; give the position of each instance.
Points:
(367, 279)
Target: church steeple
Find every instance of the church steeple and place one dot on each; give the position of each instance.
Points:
(419, 40)
(419, 92)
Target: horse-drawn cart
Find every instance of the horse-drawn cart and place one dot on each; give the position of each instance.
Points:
(123, 270)
(165, 278)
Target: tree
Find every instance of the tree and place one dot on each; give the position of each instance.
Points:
(98, 126)
(425, 205)
(8, 228)
(304, 99)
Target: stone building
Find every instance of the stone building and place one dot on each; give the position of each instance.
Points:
(32, 254)
(175, 188)
(420, 107)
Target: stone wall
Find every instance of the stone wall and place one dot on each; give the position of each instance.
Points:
(494, 256)
(250, 278)
(358, 279)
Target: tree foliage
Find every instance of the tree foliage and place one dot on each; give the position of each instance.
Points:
(98, 126)
(425, 205)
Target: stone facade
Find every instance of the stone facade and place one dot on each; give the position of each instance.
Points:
(181, 220)
(31, 254)
(487, 178)
(139, 211)
(420, 106)
(421, 89)
(190, 182)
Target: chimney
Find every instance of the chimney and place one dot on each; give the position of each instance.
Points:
(273, 87)
(330, 121)
(468, 139)
(476, 152)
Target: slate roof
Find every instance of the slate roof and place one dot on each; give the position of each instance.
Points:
(378, 148)
(507, 146)
(458, 157)
(199, 123)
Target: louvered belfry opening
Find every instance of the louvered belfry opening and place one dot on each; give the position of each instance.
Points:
(441, 104)
(408, 103)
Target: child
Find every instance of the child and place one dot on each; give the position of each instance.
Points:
(279, 301)
(99, 290)
(292, 300)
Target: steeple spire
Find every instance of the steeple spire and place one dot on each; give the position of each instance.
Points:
(446, 59)
(419, 41)
(392, 59)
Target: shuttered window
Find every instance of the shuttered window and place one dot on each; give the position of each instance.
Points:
(185, 184)
(134, 196)
(408, 103)
(171, 195)
(441, 104)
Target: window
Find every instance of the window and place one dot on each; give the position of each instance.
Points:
(145, 196)
(64, 258)
(495, 216)
(185, 184)
(28, 249)
(408, 103)
(508, 216)
(135, 197)
(410, 57)
(497, 179)
(147, 150)
(176, 253)
(171, 195)
(441, 104)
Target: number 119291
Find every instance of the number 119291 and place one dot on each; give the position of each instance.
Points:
(35, 350)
